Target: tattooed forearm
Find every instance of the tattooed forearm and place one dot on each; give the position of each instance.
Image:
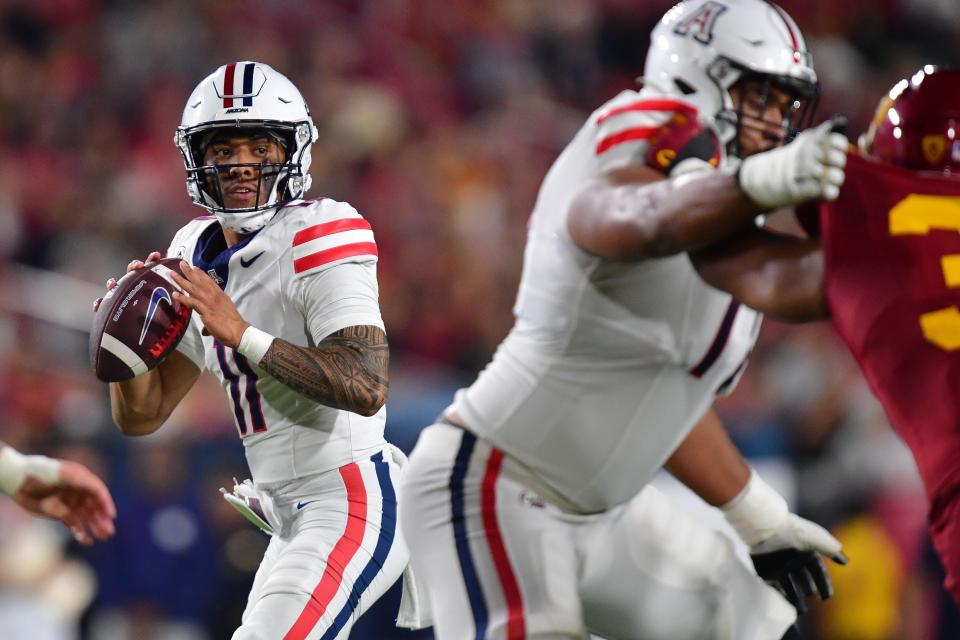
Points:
(347, 370)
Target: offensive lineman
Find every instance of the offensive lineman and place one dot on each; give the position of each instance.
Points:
(525, 505)
(286, 316)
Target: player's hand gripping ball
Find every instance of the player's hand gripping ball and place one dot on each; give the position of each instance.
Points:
(138, 323)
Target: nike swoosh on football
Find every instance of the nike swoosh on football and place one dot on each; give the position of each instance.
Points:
(158, 294)
(301, 505)
(247, 263)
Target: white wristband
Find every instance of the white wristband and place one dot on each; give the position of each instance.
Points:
(15, 468)
(757, 512)
(254, 344)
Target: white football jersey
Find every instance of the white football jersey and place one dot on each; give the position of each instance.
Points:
(609, 365)
(309, 272)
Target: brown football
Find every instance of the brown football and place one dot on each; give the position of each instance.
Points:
(138, 323)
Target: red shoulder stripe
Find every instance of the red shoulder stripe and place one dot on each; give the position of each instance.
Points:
(654, 104)
(638, 133)
(336, 253)
(326, 228)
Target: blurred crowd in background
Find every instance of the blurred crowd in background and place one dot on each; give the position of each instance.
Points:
(438, 119)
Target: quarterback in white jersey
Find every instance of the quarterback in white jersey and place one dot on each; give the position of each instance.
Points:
(286, 316)
(306, 275)
(527, 509)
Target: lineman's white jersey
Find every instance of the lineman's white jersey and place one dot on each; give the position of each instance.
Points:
(309, 272)
(609, 365)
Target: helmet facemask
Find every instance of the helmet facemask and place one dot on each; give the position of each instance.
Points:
(754, 92)
(277, 183)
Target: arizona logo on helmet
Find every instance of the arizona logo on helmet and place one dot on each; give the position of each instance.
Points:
(701, 22)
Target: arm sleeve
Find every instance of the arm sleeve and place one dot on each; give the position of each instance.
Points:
(340, 296)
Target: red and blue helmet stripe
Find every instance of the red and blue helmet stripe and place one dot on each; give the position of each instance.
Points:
(229, 80)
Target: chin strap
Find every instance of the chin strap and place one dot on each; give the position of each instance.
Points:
(246, 225)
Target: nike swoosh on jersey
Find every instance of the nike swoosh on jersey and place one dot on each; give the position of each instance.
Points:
(159, 294)
(301, 505)
(247, 263)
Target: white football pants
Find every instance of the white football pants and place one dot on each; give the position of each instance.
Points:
(499, 562)
(339, 549)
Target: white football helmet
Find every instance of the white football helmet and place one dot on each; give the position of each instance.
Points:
(252, 96)
(702, 48)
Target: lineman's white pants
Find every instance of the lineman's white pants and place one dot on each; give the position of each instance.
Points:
(499, 562)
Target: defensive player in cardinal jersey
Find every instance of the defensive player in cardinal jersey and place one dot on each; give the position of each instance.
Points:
(892, 268)
(286, 315)
(525, 505)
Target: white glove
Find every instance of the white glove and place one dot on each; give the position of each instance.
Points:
(803, 535)
(810, 167)
(761, 518)
(784, 547)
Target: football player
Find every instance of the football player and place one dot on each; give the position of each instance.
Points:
(286, 315)
(61, 489)
(891, 265)
(526, 507)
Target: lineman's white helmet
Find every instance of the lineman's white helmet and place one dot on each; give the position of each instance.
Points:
(702, 48)
(246, 95)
